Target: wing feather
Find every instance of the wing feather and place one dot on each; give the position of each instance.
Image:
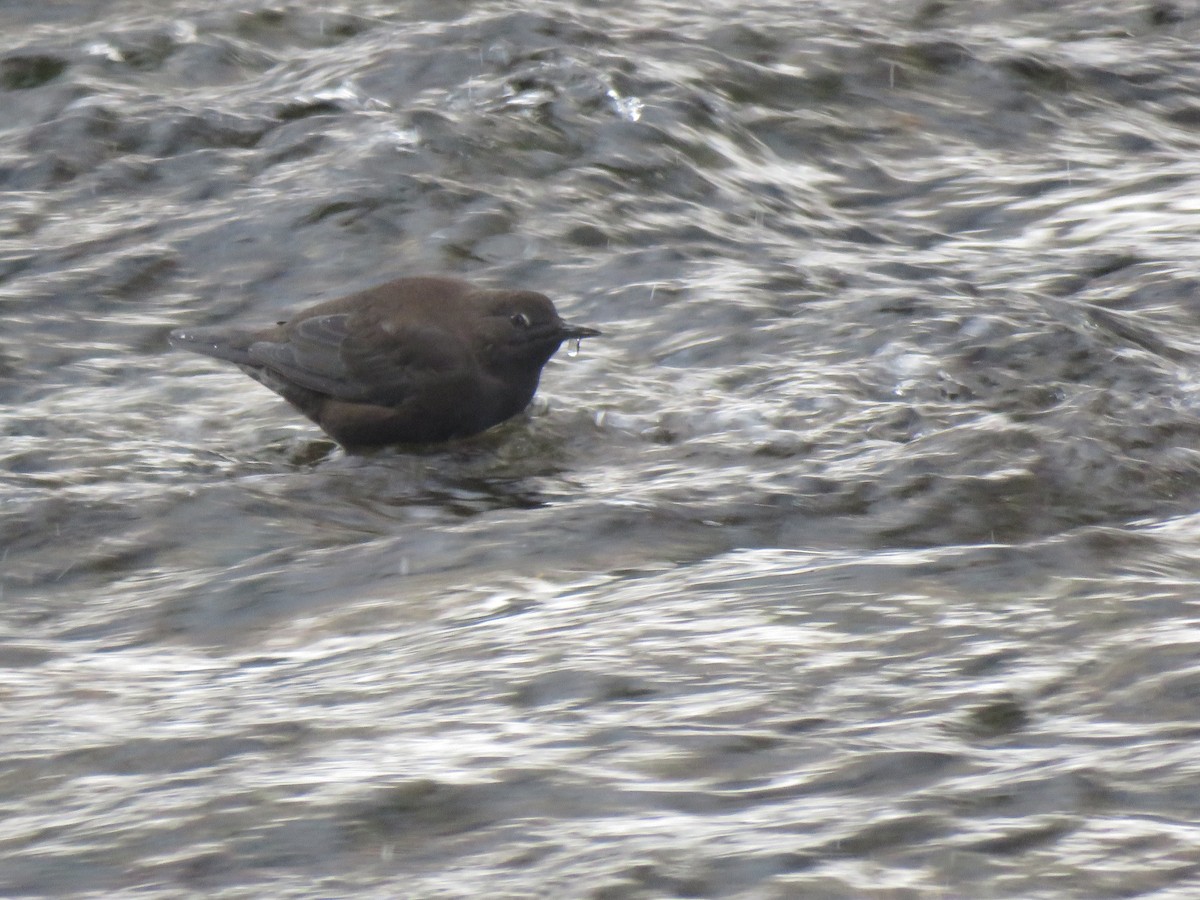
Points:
(340, 358)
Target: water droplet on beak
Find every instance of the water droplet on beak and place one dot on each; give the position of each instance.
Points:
(573, 347)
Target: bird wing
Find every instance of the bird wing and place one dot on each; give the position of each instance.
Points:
(335, 356)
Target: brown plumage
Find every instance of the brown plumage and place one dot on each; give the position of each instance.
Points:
(414, 360)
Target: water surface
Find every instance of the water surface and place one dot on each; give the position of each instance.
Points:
(858, 559)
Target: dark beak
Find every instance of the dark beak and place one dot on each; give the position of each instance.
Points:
(576, 332)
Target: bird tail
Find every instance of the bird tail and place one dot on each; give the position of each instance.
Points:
(220, 343)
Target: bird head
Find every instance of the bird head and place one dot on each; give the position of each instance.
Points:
(523, 328)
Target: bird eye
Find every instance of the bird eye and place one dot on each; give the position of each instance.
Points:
(520, 320)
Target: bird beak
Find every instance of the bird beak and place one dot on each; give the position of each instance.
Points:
(576, 332)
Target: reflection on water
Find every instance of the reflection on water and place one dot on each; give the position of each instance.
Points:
(857, 560)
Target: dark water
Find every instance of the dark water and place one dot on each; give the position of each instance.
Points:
(859, 559)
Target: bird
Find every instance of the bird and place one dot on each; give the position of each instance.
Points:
(416, 360)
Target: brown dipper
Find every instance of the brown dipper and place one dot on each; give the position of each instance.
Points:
(412, 361)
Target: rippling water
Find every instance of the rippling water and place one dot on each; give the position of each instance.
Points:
(858, 559)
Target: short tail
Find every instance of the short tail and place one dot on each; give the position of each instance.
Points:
(219, 343)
